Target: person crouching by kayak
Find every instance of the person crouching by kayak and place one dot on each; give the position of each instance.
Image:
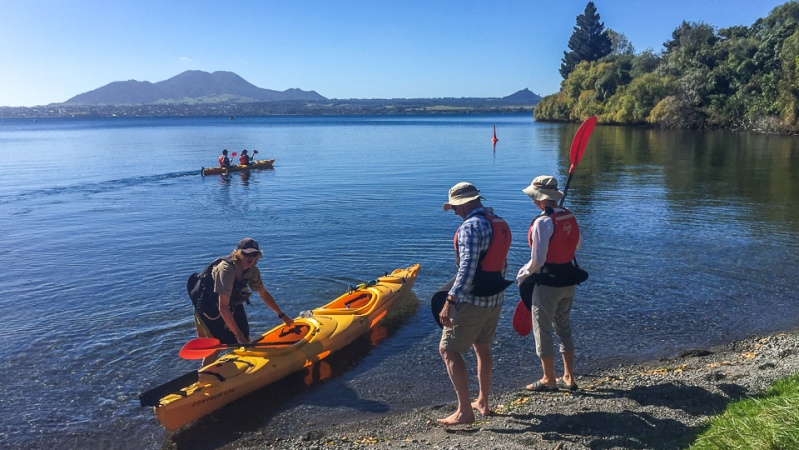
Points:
(245, 159)
(224, 161)
(221, 315)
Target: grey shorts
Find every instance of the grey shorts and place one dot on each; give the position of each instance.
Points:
(470, 325)
(551, 309)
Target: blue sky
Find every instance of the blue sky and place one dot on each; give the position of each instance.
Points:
(51, 50)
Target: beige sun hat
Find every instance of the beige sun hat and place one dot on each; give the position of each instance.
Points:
(462, 193)
(544, 187)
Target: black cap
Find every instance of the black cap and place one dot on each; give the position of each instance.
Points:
(248, 246)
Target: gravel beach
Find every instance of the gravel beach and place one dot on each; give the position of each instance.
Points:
(654, 405)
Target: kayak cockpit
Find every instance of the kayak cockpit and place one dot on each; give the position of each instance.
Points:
(281, 339)
(357, 302)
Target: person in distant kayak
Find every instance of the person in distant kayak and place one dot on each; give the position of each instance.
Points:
(222, 315)
(224, 161)
(471, 311)
(245, 159)
(548, 281)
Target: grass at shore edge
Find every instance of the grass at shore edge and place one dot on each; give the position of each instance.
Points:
(767, 421)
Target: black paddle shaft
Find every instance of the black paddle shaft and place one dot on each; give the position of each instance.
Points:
(565, 189)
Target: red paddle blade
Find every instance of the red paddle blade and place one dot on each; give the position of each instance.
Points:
(200, 348)
(522, 319)
(580, 141)
(233, 155)
(203, 344)
(195, 354)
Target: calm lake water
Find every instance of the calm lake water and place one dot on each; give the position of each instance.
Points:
(690, 240)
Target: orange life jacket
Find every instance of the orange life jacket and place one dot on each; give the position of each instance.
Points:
(488, 279)
(563, 243)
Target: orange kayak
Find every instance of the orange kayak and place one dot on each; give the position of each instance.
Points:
(314, 336)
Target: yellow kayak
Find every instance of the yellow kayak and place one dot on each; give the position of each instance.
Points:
(281, 351)
(260, 164)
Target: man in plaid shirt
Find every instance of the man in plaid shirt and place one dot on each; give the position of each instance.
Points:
(471, 311)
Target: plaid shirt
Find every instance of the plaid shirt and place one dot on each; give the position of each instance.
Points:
(474, 237)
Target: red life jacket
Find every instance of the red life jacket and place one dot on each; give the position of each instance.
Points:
(563, 243)
(488, 279)
(222, 161)
(243, 159)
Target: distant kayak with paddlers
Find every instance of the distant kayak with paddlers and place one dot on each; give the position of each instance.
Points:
(259, 164)
(278, 353)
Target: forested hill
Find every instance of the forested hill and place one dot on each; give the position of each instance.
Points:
(741, 78)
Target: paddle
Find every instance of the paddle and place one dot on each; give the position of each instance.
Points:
(199, 348)
(249, 159)
(230, 158)
(437, 302)
(522, 319)
(578, 148)
(522, 316)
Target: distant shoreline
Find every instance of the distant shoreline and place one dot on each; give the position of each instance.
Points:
(287, 108)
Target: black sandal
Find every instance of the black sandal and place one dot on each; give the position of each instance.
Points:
(562, 385)
(538, 386)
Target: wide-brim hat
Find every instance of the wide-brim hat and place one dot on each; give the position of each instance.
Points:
(544, 187)
(462, 193)
(249, 247)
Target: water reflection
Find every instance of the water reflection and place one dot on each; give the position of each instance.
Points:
(244, 175)
(697, 169)
(224, 179)
(690, 236)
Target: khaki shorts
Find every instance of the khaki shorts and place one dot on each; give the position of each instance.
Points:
(470, 325)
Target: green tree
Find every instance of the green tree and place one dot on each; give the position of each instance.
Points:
(644, 62)
(619, 44)
(588, 42)
(744, 78)
(617, 76)
(633, 103)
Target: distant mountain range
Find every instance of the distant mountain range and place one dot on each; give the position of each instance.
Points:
(192, 87)
(195, 87)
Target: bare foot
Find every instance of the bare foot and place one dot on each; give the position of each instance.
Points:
(457, 419)
(481, 408)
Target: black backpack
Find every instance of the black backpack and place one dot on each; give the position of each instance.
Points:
(201, 285)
